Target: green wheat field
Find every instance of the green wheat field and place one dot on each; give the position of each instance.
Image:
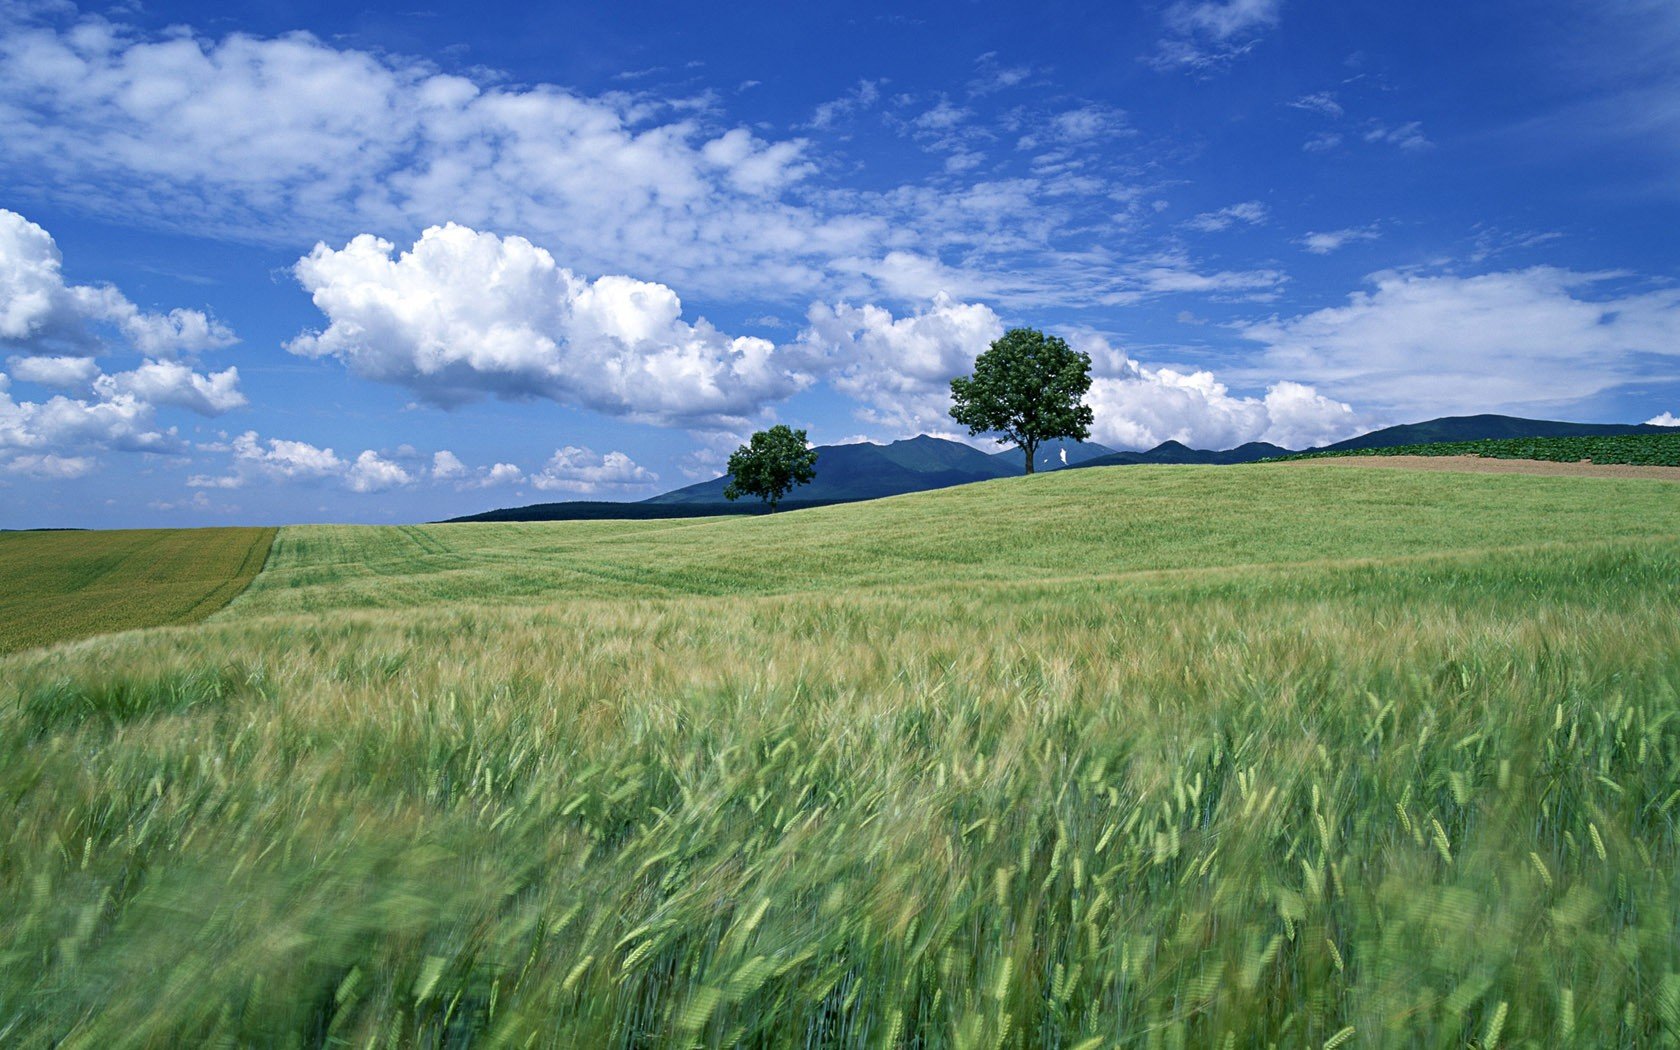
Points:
(1134, 757)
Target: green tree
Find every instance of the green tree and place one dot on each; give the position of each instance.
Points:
(770, 465)
(1027, 387)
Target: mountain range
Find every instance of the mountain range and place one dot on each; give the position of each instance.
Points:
(859, 471)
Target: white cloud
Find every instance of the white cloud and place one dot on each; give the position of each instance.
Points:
(1328, 241)
(1250, 212)
(41, 314)
(1323, 142)
(290, 137)
(1420, 344)
(447, 466)
(1167, 275)
(291, 140)
(1206, 34)
(60, 329)
(1408, 136)
(504, 474)
(208, 481)
(1222, 19)
(371, 473)
(61, 424)
(575, 469)
(464, 314)
(899, 369)
(1667, 419)
(47, 467)
(284, 458)
(59, 373)
(172, 383)
(863, 96)
(1319, 102)
(1138, 407)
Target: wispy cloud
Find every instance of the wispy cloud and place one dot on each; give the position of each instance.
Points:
(1319, 102)
(1250, 213)
(1206, 34)
(1421, 344)
(1330, 240)
(1407, 136)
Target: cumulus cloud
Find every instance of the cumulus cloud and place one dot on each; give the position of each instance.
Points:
(41, 314)
(1251, 212)
(899, 368)
(1138, 407)
(60, 329)
(1667, 419)
(1425, 344)
(372, 473)
(284, 459)
(62, 425)
(1329, 241)
(574, 469)
(464, 314)
(447, 466)
(172, 383)
(58, 373)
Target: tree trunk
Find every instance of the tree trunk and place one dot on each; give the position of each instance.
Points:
(1031, 451)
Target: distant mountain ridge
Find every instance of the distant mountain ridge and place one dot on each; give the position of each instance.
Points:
(869, 471)
(1485, 428)
(846, 473)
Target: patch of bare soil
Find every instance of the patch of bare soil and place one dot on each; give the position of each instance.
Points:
(1487, 465)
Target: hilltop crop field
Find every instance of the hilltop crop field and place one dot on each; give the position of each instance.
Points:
(1129, 757)
(1631, 449)
(65, 585)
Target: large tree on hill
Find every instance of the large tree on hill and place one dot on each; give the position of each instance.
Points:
(770, 465)
(1028, 387)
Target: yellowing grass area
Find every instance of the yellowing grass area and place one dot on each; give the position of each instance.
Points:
(1243, 756)
(56, 586)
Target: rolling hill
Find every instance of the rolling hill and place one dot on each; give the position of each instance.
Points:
(1250, 757)
(847, 473)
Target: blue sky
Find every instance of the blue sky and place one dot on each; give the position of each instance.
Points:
(294, 262)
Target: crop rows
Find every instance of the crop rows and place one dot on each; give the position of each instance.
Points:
(1641, 449)
(65, 585)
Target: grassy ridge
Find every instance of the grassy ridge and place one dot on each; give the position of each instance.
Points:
(1643, 449)
(65, 585)
(1020, 529)
(1295, 784)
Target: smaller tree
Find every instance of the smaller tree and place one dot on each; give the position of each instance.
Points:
(1029, 387)
(770, 465)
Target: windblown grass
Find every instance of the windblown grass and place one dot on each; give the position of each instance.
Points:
(63, 585)
(1266, 782)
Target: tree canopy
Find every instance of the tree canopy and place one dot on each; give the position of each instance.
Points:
(1028, 387)
(770, 465)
